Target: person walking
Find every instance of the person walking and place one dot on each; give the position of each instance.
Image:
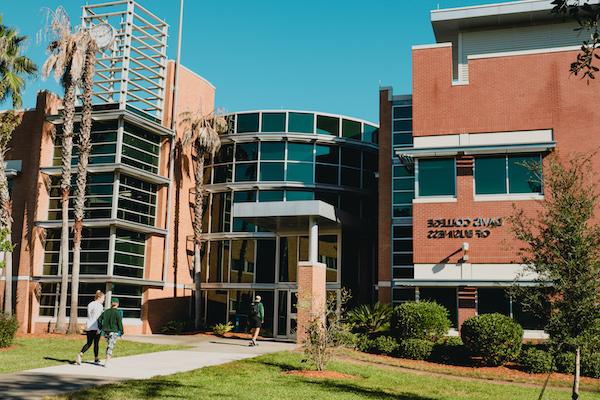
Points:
(257, 318)
(111, 323)
(92, 331)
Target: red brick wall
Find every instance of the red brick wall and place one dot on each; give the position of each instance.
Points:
(514, 93)
(384, 226)
(311, 295)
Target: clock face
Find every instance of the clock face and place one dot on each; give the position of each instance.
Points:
(103, 34)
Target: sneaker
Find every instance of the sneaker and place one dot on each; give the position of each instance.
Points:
(78, 359)
(97, 361)
(252, 343)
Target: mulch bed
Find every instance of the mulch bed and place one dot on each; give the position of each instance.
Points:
(320, 374)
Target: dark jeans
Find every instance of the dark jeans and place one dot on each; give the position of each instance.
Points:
(92, 337)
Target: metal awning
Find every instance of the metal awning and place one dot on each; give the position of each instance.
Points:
(282, 216)
(474, 150)
(105, 222)
(124, 168)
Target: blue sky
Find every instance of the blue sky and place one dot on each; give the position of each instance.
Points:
(329, 56)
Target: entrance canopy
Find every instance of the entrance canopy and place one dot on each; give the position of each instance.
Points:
(282, 216)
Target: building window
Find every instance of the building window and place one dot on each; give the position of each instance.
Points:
(98, 197)
(272, 151)
(270, 195)
(242, 261)
(94, 251)
(137, 201)
(301, 122)
(246, 151)
(328, 248)
(402, 124)
(141, 149)
(437, 177)
(288, 258)
(265, 260)
(130, 250)
(508, 174)
(401, 295)
(299, 195)
(370, 133)
(300, 152)
(247, 123)
(300, 172)
(245, 172)
(271, 171)
(220, 212)
(104, 143)
(273, 122)
(328, 125)
(50, 296)
(493, 300)
(446, 297)
(403, 191)
(130, 299)
(218, 262)
(246, 196)
(351, 129)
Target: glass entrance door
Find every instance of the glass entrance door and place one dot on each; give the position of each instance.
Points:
(287, 309)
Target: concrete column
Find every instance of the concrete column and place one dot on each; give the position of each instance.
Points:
(313, 239)
(312, 295)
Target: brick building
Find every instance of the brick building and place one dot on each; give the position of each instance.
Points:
(493, 95)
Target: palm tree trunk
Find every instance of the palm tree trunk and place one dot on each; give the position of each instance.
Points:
(85, 148)
(6, 223)
(198, 204)
(575, 394)
(65, 184)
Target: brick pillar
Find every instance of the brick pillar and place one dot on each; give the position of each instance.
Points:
(467, 303)
(384, 295)
(312, 296)
(22, 309)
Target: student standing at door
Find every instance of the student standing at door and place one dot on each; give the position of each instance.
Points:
(257, 318)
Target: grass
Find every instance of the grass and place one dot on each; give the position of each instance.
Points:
(37, 352)
(264, 378)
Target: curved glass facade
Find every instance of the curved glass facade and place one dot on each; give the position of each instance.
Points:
(283, 156)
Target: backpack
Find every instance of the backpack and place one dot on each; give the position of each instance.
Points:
(253, 312)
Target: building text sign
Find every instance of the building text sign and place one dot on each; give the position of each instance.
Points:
(461, 228)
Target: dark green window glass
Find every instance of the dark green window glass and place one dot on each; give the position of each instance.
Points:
(327, 197)
(246, 151)
(270, 195)
(490, 175)
(403, 125)
(327, 174)
(245, 172)
(351, 157)
(436, 177)
(247, 123)
(273, 122)
(239, 225)
(403, 197)
(327, 154)
(299, 195)
(222, 173)
(225, 154)
(351, 177)
(370, 133)
(402, 112)
(328, 125)
(301, 123)
(272, 151)
(403, 170)
(300, 172)
(402, 139)
(246, 196)
(300, 152)
(522, 171)
(404, 184)
(351, 129)
(271, 171)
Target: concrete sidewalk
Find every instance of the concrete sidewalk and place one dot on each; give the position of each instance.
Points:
(205, 351)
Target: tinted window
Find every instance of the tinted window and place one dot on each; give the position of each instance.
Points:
(301, 172)
(301, 123)
(436, 177)
(300, 152)
(246, 151)
(327, 174)
(327, 154)
(272, 151)
(271, 171)
(370, 133)
(247, 123)
(522, 171)
(490, 175)
(328, 125)
(273, 122)
(351, 129)
(245, 172)
(270, 195)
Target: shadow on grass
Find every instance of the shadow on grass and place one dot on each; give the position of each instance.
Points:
(146, 389)
(367, 393)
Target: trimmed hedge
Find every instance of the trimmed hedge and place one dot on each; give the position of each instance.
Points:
(496, 338)
(384, 345)
(449, 350)
(415, 349)
(420, 320)
(590, 365)
(536, 361)
(8, 329)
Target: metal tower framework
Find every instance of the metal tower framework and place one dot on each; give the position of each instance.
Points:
(131, 73)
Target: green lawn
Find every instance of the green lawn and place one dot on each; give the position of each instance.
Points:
(35, 352)
(264, 378)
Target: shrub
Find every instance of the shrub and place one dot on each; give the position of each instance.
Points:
(536, 361)
(173, 327)
(8, 329)
(565, 362)
(590, 365)
(494, 337)
(370, 320)
(420, 320)
(415, 349)
(384, 345)
(221, 329)
(449, 350)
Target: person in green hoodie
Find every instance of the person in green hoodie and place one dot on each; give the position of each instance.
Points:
(111, 323)
(256, 318)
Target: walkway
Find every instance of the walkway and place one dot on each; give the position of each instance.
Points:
(205, 351)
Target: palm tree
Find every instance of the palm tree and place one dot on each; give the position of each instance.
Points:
(201, 132)
(66, 58)
(14, 68)
(85, 148)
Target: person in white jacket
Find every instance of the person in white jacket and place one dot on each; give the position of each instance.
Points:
(92, 331)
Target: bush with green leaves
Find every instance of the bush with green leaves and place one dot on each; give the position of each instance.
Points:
(420, 320)
(173, 327)
(590, 365)
(8, 329)
(496, 338)
(384, 345)
(370, 320)
(415, 349)
(222, 329)
(536, 361)
(565, 362)
(449, 350)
